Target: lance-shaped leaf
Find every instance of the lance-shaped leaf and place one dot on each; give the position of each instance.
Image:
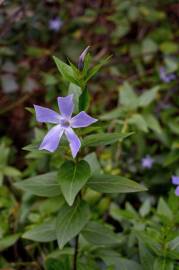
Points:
(99, 234)
(72, 177)
(70, 221)
(114, 184)
(104, 138)
(163, 264)
(42, 233)
(146, 256)
(8, 241)
(44, 185)
(65, 70)
(111, 257)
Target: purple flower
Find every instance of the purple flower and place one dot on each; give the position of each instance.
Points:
(82, 58)
(64, 124)
(147, 162)
(175, 181)
(166, 77)
(55, 24)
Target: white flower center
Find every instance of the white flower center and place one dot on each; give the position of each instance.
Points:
(64, 123)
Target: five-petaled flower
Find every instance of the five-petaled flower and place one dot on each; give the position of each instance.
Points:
(175, 181)
(147, 162)
(64, 124)
(55, 24)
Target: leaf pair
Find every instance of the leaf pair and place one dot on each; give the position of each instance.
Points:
(72, 177)
(69, 181)
(69, 222)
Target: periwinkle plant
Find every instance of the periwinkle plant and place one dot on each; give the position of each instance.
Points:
(78, 175)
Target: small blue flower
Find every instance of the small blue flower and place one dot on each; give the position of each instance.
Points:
(55, 24)
(166, 77)
(64, 124)
(147, 162)
(175, 181)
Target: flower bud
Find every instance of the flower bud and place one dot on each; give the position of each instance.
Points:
(82, 58)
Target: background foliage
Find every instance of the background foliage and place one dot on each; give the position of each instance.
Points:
(135, 92)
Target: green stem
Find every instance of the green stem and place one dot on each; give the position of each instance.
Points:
(76, 252)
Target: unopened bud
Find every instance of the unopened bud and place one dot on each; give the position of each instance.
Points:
(82, 58)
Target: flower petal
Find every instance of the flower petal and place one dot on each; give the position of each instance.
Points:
(175, 180)
(82, 120)
(52, 139)
(44, 115)
(177, 191)
(66, 105)
(73, 140)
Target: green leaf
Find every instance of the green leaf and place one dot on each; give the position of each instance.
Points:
(104, 138)
(99, 234)
(153, 123)
(149, 48)
(128, 97)
(88, 265)
(97, 67)
(164, 210)
(58, 264)
(169, 47)
(121, 214)
(171, 64)
(116, 113)
(145, 208)
(163, 264)
(37, 52)
(60, 253)
(148, 96)
(146, 257)
(171, 158)
(8, 241)
(44, 185)
(10, 171)
(152, 243)
(112, 258)
(65, 70)
(93, 163)
(174, 244)
(138, 120)
(51, 205)
(70, 221)
(76, 91)
(72, 177)
(42, 233)
(87, 63)
(114, 184)
(84, 100)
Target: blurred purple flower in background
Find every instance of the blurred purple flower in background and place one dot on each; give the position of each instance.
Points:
(55, 24)
(166, 77)
(175, 181)
(64, 124)
(147, 162)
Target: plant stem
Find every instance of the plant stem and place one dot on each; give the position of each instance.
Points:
(76, 253)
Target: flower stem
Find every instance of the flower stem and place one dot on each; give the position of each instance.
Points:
(76, 252)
